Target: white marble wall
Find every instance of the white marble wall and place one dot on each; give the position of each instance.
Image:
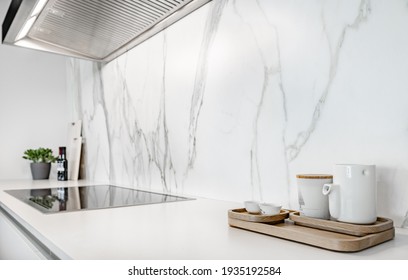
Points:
(234, 100)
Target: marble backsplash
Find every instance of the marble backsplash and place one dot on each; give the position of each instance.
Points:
(234, 100)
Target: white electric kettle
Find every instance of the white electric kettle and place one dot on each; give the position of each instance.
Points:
(353, 194)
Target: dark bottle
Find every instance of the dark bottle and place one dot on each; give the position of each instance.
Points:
(62, 165)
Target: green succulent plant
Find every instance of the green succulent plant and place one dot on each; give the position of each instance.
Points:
(39, 155)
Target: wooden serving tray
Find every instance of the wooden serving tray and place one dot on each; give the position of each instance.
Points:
(242, 214)
(382, 224)
(330, 240)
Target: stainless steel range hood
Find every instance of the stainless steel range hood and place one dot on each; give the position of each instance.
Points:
(98, 30)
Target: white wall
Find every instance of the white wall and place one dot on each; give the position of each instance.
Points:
(33, 105)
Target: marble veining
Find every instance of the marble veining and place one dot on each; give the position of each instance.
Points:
(197, 99)
(237, 98)
(270, 68)
(293, 149)
(151, 147)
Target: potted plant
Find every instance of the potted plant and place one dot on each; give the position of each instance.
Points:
(41, 162)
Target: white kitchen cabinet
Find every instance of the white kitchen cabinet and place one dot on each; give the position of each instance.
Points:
(15, 244)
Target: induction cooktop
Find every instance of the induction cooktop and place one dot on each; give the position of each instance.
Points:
(68, 199)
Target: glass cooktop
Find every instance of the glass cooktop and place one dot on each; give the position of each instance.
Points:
(67, 199)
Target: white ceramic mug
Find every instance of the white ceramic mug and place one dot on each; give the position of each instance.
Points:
(311, 200)
(353, 195)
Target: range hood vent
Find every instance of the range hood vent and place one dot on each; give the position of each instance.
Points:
(99, 30)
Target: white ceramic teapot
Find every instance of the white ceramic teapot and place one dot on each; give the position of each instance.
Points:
(353, 194)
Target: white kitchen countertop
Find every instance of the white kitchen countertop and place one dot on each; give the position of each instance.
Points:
(194, 229)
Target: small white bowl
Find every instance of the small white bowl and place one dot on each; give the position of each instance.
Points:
(270, 208)
(252, 207)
